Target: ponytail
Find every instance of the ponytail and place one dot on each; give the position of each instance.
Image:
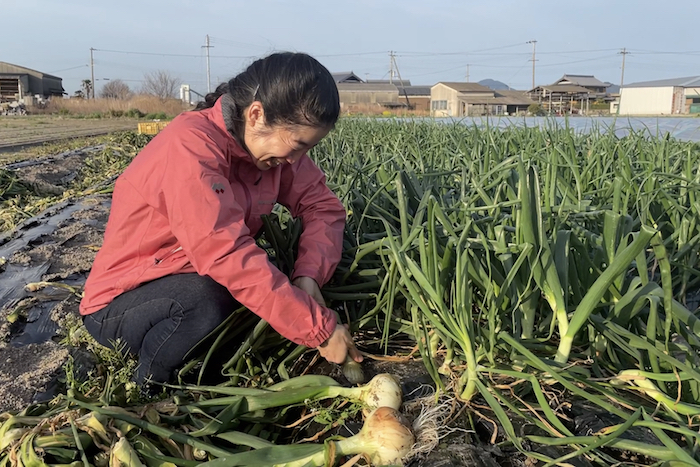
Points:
(211, 98)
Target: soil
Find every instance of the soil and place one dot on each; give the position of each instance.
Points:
(58, 246)
(19, 132)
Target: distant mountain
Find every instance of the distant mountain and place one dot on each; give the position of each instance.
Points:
(613, 89)
(495, 85)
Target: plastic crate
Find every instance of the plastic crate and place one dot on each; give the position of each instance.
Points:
(151, 128)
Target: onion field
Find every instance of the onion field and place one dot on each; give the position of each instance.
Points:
(533, 265)
(534, 272)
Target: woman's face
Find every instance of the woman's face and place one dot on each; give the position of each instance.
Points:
(281, 144)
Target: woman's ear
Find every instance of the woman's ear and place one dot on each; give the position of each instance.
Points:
(255, 115)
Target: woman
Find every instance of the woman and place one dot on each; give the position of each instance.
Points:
(179, 251)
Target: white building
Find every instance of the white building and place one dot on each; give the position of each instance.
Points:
(679, 96)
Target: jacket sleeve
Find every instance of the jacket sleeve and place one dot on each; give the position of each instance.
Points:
(209, 223)
(303, 190)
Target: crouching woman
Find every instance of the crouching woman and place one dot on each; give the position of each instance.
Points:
(179, 251)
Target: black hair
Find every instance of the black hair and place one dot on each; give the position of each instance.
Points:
(294, 89)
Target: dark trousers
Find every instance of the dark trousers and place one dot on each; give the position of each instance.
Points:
(160, 321)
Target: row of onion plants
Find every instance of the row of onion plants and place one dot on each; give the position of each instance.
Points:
(531, 265)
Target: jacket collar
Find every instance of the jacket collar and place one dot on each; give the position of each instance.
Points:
(216, 115)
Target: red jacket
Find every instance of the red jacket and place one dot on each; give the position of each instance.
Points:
(191, 202)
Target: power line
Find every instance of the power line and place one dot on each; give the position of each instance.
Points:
(441, 71)
(357, 54)
(168, 54)
(478, 51)
(483, 52)
(457, 54)
(655, 52)
(236, 43)
(577, 61)
(71, 68)
(484, 65)
(409, 54)
(481, 65)
(577, 51)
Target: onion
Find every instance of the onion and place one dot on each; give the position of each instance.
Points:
(382, 391)
(353, 371)
(383, 438)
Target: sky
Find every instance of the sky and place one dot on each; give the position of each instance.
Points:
(436, 40)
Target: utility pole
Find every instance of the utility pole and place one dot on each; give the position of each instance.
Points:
(394, 65)
(207, 46)
(534, 48)
(624, 53)
(467, 72)
(92, 74)
(391, 67)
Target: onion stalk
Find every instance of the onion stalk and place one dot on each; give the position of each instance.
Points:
(382, 391)
(647, 387)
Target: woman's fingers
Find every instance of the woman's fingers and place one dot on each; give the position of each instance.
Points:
(352, 350)
(339, 346)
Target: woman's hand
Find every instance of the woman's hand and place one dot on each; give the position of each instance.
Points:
(309, 285)
(339, 345)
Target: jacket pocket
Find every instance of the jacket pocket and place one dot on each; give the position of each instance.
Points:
(159, 258)
(133, 278)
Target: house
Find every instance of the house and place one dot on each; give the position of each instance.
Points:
(456, 99)
(21, 84)
(571, 94)
(415, 97)
(358, 95)
(410, 97)
(396, 82)
(596, 87)
(346, 77)
(562, 98)
(516, 102)
(363, 96)
(676, 96)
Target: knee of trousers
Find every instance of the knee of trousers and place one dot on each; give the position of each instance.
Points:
(212, 307)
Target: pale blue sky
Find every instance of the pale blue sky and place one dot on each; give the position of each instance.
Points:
(433, 40)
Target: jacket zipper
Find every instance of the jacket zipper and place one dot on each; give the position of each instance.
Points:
(170, 253)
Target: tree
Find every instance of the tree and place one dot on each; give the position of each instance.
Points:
(161, 83)
(115, 89)
(86, 87)
(536, 109)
